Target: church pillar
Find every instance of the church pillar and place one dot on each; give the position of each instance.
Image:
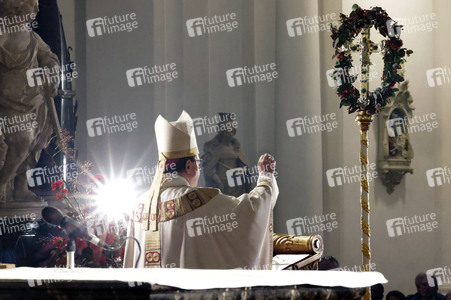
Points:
(332, 143)
(298, 95)
(442, 48)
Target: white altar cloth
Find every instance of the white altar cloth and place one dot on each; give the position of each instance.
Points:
(199, 279)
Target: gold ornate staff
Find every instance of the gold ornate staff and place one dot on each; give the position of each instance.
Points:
(360, 21)
(364, 119)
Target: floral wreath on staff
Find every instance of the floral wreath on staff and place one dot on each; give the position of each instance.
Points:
(393, 56)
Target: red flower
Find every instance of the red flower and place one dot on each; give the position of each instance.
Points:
(339, 55)
(345, 93)
(108, 238)
(57, 184)
(57, 242)
(95, 249)
(64, 192)
(81, 243)
(59, 196)
(395, 44)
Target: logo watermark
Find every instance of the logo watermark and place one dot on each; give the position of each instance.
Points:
(359, 268)
(409, 225)
(110, 125)
(248, 75)
(215, 124)
(339, 76)
(442, 275)
(168, 266)
(257, 267)
(40, 76)
(308, 125)
(151, 75)
(311, 24)
(438, 76)
(38, 282)
(209, 25)
(18, 23)
(57, 269)
(345, 175)
(143, 177)
(243, 175)
(110, 25)
(399, 126)
(412, 24)
(311, 225)
(18, 123)
(393, 28)
(438, 176)
(237, 177)
(209, 225)
(17, 224)
(47, 175)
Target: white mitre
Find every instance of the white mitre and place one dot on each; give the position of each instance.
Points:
(176, 139)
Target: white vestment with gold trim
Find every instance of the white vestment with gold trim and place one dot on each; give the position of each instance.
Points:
(225, 233)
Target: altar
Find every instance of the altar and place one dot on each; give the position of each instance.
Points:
(86, 283)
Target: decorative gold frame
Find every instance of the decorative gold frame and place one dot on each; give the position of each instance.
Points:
(395, 153)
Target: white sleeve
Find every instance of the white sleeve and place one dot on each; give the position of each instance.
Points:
(266, 189)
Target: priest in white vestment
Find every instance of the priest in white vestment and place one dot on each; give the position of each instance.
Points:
(180, 225)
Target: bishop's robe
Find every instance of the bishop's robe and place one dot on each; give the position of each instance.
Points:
(209, 230)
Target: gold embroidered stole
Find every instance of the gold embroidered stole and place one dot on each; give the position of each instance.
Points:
(169, 210)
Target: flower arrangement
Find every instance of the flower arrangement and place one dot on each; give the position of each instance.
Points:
(87, 254)
(393, 57)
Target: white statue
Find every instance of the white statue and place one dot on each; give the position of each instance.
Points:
(24, 114)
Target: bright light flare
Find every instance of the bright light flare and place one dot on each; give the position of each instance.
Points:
(116, 198)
